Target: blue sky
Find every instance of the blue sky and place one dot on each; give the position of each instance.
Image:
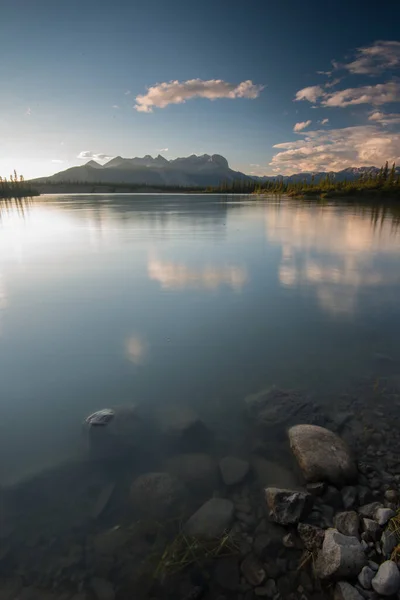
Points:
(133, 78)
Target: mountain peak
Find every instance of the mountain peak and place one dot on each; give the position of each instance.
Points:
(94, 164)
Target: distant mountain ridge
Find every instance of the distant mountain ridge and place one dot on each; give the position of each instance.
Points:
(191, 171)
(194, 170)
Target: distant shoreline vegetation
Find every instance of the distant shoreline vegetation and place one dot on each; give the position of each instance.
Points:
(16, 187)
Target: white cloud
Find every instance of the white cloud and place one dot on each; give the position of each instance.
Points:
(311, 93)
(115, 106)
(336, 149)
(137, 349)
(162, 150)
(385, 118)
(177, 92)
(57, 161)
(324, 121)
(87, 154)
(254, 165)
(28, 112)
(128, 92)
(302, 125)
(375, 59)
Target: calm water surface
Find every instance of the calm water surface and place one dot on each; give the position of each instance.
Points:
(106, 300)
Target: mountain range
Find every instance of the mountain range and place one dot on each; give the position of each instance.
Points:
(190, 171)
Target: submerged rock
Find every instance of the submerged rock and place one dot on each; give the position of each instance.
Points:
(322, 455)
(233, 470)
(183, 428)
(341, 557)
(270, 473)
(211, 520)
(253, 570)
(102, 589)
(158, 495)
(287, 507)
(387, 580)
(197, 470)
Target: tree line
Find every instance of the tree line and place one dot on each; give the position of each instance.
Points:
(16, 187)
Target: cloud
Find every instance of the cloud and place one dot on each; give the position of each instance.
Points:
(128, 92)
(302, 125)
(28, 112)
(311, 93)
(332, 83)
(177, 275)
(324, 121)
(57, 161)
(177, 92)
(375, 59)
(254, 165)
(115, 106)
(87, 154)
(337, 149)
(136, 349)
(162, 150)
(385, 118)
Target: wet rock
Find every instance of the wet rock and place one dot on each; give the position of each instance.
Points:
(269, 541)
(197, 470)
(391, 495)
(233, 470)
(345, 591)
(183, 428)
(103, 499)
(253, 570)
(372, 530)
(327, 514)
(365, 577)
(312, 537)
(115, 432)
(364, 495)
(332, 497)
(268, 590)
(369, 510)
(349, 496)
(158, 495)
(348, 523)
(316, 489)
(287, 507)
(227, 573)
(102, 589)
(387, 580)
(211, 520)
(383, 515)
(322, 455)
(388, 543)
(341, 556)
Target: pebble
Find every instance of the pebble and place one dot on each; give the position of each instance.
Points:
(349, 496)
(348, 523)
(391, 495)
(372, 529)
(387, 580)
(253, 570)
(383, 515)
(269, 589)
(365, 577)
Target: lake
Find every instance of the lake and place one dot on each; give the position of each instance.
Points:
(200, 300)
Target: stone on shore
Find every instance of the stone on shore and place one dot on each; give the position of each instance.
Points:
(345, 591)
(383, 515)
(341, 557)
(387, 580)
(311, 536)
(211, 520)
(233, 470)
(388, 542)
(287, 507)
(348, 523)
(365, 577)
(158, 495)
(369, 510)
(322, 455)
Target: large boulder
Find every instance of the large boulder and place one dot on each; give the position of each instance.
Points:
(233, 470)
(158, 495)
(287, 507)
(387, 580)
(211, 520)
(183, 429)
(341, 557)
(322, 455)
(115, 432)
(197, 470)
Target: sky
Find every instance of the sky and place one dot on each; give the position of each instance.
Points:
(274, 87)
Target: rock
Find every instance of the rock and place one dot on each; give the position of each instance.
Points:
(268, 590)
(269, 542)
(349, 496)
(103, 590)
(369, 510)
(364, 495)
(289, 540)
(253, 570)
(233, 470)
(348, 523)
(388, 543)
(322, 455)
(211, 520)
(158, 495)
(316, 489)
(287, 507)
(183, 428)
(332, 497)
(312, 537)
(383, 515)
(273, 474)
(103, 499)
(115, 432)
(372, 529)
(345, 591)
(391, 495)
(341, 556)
(227, 573)
(365, 577)
(387, 580)
(197, 470)
(326, 512)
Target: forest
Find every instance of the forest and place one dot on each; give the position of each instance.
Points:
(16, 187)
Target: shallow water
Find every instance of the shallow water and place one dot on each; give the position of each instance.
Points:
(200, 300)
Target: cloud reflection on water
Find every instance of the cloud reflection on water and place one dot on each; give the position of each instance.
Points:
(137, 349)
